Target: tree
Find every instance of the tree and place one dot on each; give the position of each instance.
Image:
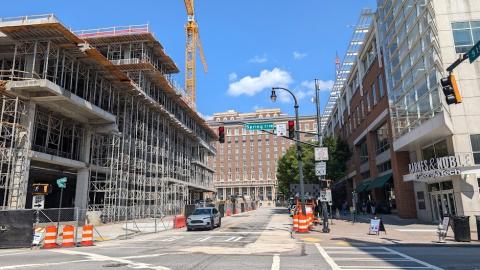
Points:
(287, 171)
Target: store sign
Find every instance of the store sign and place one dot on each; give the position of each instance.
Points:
(438, 167)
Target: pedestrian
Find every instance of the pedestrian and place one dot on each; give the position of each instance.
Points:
(364, 207)
(373, 207)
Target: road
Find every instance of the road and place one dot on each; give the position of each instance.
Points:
(255, 240)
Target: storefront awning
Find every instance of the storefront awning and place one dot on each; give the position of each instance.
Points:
(380, 181)
(363, 186)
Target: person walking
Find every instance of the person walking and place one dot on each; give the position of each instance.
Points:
(373, 207)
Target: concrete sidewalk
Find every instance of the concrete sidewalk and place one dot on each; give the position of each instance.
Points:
(398, 232)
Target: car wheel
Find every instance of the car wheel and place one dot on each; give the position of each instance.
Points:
(189, 229)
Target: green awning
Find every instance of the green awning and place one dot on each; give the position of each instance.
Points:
(380, 181)
(363, 186)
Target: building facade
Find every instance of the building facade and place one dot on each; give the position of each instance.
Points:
(246, 164)
(419, 40)
(100, 108)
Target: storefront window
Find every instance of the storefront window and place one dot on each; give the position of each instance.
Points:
(475, 141)
(435, 150)
(363, 152)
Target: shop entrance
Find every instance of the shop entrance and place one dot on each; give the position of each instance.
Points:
(443, 204)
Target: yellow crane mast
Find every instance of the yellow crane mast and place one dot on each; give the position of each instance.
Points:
(193, 42)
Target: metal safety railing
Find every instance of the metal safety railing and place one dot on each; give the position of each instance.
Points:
(113, 31)
(30, 18)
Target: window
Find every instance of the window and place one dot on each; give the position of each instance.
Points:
(363, 152)
(374, 95)
(465, 35)
(380, 85)
(383, 167)
(435, 150)
(365, 175)
(381, 139)
(475, 141)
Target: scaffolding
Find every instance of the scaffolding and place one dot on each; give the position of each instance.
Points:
(105, 101)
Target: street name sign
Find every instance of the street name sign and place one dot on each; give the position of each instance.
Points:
(320, 168)
(38, 202)
(259, 126)
(474, 52)
(281, 130)
(321, 153)
(62, 182)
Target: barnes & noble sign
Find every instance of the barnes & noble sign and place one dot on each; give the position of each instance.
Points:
(439, 167)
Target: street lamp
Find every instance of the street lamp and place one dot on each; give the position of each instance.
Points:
(273, 97)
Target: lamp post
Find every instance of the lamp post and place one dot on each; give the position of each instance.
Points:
(297, 137)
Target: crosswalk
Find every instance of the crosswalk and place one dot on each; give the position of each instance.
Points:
(360, 258)
(206, 239)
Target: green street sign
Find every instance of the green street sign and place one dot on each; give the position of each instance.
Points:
(474, 52)
(62, 182)
(259, 126)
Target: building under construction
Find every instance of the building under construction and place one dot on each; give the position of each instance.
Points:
(100, 108)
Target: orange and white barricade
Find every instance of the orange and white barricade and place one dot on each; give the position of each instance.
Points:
(50, 237)
(302, 224)
(295, 223)
(87, 235)
(67, 236)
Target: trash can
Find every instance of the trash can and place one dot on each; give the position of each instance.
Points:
(461, 228)
(478, 227)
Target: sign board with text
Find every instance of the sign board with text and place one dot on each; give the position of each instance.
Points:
(38, 202)
(321, 153)
(474, 52)
(320, 168)
(326, 195)
(281, 130)
(259, 126)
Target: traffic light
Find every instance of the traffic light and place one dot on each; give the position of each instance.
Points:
(291, 129)
(221, 134)
(40, 189)
(450, 90)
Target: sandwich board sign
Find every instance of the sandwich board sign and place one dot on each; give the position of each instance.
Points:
(376, 225)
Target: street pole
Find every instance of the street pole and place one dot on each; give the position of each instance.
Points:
(299, 149)
(317, 102)
(59, 210)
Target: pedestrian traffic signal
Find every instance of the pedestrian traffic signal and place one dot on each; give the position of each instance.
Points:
(40, 189)
(450, 90)
(221, 134)
(291, 129)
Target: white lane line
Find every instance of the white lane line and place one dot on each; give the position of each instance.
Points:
(14, 253)
(35, 265)
(153, 255)
(238, 238)
(327, 258)
(276, 262)
(413, 259)
(230, 239)
(204, 239)
(98, 257)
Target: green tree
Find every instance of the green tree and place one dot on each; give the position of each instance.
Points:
(287, 171)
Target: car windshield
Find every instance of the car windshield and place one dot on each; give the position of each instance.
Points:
(202, 211)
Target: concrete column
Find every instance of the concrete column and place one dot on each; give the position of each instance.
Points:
(83, 177)
(224, 191)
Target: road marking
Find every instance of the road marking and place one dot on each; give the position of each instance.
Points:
(413, 259)
(98, 257)
(204, 239)
(36, 265)
(230, 239)
(238, 238)
(276, 262)
(171, 239)
(327, 258)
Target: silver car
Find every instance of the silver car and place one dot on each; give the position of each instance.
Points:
(204, 217)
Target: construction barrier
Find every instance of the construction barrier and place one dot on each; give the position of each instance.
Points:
(295, 223)
(179, 222)
(87, 236)
(67, 236)
(302, 224)
(50, 237)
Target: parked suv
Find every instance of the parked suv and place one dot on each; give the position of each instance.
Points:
(204, 217)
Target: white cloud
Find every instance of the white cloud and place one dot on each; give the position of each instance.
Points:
(252, 85)
(232, 76)
(257, 107)
(205, 117)
(323, 85)
(299, 55)
(258, 59)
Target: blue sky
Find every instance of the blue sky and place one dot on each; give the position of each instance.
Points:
(250, 45)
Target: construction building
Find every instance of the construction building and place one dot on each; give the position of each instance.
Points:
(100, 108)
(246, 163)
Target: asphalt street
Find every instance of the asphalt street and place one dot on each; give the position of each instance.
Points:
(255, 240)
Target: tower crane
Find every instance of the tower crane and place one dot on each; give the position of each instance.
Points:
(193, 42)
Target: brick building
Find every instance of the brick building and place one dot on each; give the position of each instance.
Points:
(246, 163)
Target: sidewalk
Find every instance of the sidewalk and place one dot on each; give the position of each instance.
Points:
(398, 232)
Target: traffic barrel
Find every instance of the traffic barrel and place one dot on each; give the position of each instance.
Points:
(295, 223)
(67, 236)
(50, 237)
(302, 224)
(87, 235)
